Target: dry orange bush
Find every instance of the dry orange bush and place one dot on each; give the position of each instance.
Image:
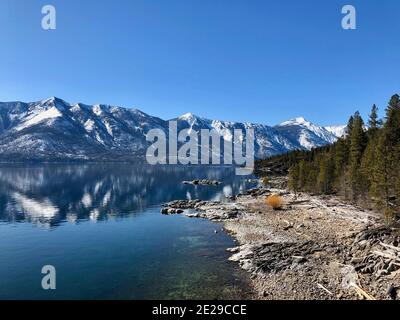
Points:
(275, 202)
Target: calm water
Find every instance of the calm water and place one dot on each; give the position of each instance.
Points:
(100, 226)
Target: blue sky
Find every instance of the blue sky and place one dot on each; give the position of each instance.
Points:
(259, 61)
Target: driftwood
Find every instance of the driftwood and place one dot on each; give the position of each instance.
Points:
(362, 293)
(325, 289)
(273, 257)
(390, 247)
(386, 255)
(351, 280)
(299, 202)
(373, 234)
(379, 258)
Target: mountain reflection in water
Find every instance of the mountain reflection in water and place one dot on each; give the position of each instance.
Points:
(51, 194)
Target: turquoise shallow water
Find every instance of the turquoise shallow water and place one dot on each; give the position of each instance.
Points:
(100, 226)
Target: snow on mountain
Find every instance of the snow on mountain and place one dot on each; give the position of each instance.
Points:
(293, 134)
(53, 129)
(295, 121)
(306, 133)
(338, 131)
(41, 117)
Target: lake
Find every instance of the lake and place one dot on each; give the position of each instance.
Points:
(100, 226)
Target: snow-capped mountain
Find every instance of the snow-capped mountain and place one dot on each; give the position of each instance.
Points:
(53, 129)
(306, 133)
(338, 131)
(268, 141)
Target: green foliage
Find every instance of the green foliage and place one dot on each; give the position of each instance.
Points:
(386, 169)
(294, 178)
(365, 164)
(357, 138)
(374, 122)
(326, 175)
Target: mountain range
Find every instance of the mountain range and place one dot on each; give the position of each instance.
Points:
(54, 130)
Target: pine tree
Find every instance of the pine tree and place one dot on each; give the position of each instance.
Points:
(370, 153)
(341, 157)
(302, 175)
(357, 140)
(294, 178)
(350, 125)
(374, 122)
(326, 174)
(385, 183)
(367, 163)
(363, 163)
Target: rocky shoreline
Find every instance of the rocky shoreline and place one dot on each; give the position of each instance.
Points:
(316, 247)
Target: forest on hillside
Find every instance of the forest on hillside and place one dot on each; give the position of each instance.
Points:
(363, 166)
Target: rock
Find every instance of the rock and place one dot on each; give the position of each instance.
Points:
(204, 182)
(242, 253)
(193, 215)
(248, 266)
(182, 204)
(171, 211)
(256, 192)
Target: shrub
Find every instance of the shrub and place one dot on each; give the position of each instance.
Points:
(265, 181)
(275, 202)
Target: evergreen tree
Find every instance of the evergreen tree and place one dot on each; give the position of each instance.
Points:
(362, 163)
(357, 140)
(302, 175)
(385, 185)
(341, 158)
(349, 127)
(326, 175)
(374, 123)
(294, 178)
